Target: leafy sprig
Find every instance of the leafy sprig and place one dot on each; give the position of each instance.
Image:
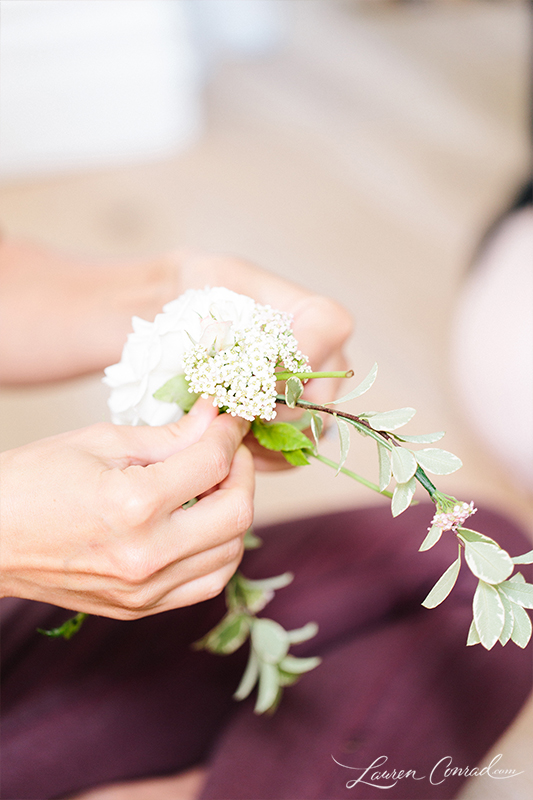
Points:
(500, 598)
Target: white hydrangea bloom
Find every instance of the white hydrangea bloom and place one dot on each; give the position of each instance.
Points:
(225, 344)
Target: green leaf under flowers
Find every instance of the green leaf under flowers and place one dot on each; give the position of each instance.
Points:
(423, 438)
(390, 420)
(444, 585)
(303, 634)
(473, 536)
(299, 665)
(297, 458)
(280, 436)
(267, 695)
(226, 637)
(527, 558)
(522, 626)
(249, 678)
(251, 541)
(517, 578)
(518, 592)
(508, 624)
(402, 496)
(176, 390)
(363, 387)
(488, 562)
(317, 425)
(270, 640)
(489, 614)
(287, 678)
(404, 464)
(473, 635)
(431, 539)
(344, 439)
(437, 461)
(67, 630)
(385, 468)
(271, 584)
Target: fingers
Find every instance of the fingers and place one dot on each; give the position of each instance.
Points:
(147, 445)
(192, 471)
(189, 556)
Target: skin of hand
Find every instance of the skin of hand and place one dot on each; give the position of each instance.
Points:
(63, 317)
(92, 520)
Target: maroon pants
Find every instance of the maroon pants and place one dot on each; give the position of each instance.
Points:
(397, 688)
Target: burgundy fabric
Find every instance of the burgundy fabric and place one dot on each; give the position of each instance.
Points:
(126, 700)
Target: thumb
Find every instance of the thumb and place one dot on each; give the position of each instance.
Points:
(148, 445)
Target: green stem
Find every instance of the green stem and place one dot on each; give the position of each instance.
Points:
(350, 474)
(304, 376)
(424, 481)
(361, 424)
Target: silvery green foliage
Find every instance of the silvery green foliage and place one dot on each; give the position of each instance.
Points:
(270, 666)
(499, 600)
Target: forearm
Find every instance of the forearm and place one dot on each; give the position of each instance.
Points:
(62, 317)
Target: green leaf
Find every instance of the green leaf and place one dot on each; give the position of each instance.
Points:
(402, 496)
(363, 387)
(297, 458)
(269, 684)
(271, 584)
(489, 614)
(299, 665)
(403, 464)
(444, 585)
(67, 629)
(270, 640)
(507, 629)
(473, 536)
(390, 420)
(280, 436)
(431, 539)
(251, 541)
(424, 438)
(317, 425)
(226, 637)
(293, 391)
(518, 592)
(303, 634)
(473, 635)
(304, 421)
(385, 469)
(344, 439)
(249, 678)
(488, 562)
(527, 558)
(518, 578)
(437, 461)
(522, 626)
(176, 390)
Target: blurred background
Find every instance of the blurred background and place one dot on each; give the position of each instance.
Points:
(359, 147)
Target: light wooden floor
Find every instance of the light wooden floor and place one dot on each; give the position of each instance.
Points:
(364, 159)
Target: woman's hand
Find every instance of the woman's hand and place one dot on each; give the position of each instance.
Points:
(93, 521)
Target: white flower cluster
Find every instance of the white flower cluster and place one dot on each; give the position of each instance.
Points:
(453, 518)
(231, 346)
(241, 378)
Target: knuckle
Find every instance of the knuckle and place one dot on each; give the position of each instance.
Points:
(135, 568)
(214, 586)
(244, 513)
(137, 508)
(220, 462)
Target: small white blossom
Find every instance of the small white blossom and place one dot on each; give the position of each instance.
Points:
(225, 344)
